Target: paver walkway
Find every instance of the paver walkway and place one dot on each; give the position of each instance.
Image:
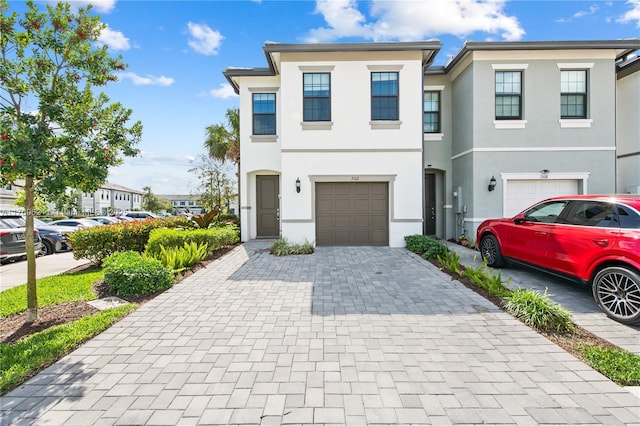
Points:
(347, 335)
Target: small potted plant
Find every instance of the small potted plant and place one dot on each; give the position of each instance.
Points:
(464, 241)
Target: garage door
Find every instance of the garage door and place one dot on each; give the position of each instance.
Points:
(352, 214)
(523, 193)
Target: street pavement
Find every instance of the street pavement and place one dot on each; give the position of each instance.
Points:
(343, 336)
(14, 274)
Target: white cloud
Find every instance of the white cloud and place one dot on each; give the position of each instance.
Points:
(414, 20)
(103, 6)
(115, 40)
(203, 39)
(633, 14)
(225, 91)
(148, 80)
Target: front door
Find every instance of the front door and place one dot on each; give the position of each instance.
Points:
(268, 207)
(429, 204)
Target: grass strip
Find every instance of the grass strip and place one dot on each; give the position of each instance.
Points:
(51, 290)
(622, 367)
(24, 358)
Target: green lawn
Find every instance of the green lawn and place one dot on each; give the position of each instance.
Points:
(51, 290)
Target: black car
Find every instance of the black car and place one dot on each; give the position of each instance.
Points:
(54, 238)
(12, 242)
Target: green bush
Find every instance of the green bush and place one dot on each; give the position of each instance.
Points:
(95, 244)
(180, 258)
(129, 274)
(484, 278)
(451, 261)
(214, 238)
(281, 247)
(427, 247)
(623, 367)
(538, 311)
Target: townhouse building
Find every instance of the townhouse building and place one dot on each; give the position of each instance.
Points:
(364, 143)
(110, 197)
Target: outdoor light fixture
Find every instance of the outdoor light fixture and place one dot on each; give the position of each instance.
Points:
(544, 171)
(492, 184)
(298, 185)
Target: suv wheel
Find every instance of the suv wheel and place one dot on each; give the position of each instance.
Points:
(47, 248)
(490, 251)
(616, 289)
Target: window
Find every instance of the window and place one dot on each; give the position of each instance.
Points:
(592, 213)
(573, 94)
(431, 109)
(317, 97)
(508, 95)
(264, 113)
(547, 212)
(629, 219)
(384, 96)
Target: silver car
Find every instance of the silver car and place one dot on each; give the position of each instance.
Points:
(12, 242)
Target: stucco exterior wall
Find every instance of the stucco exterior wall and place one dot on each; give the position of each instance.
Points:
(628, 113)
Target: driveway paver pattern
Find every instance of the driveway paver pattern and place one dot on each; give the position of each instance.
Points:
(343, 336)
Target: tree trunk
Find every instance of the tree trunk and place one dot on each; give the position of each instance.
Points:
(32, 295)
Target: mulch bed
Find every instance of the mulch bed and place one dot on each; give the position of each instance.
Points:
(14, 328)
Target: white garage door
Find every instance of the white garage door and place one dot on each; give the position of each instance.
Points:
(523, 193)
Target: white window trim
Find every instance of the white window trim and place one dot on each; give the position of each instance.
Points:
(509, 67)
(509, 124)
(264, 138)
(575, 123)
(385, 124)
(433, 137)
(382, 68)
(575, 65)
(316, 125)
(316, 68)
(438, 88)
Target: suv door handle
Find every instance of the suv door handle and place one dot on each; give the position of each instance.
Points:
(601, 242)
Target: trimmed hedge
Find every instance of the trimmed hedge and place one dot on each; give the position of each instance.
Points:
(215, 238)
(95, 244)
(130, 274)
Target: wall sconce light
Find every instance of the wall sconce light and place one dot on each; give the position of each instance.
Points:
(492, 184)
(298, 185)
(544, 172)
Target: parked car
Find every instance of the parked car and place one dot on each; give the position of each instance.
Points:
(594, 239)
(76, 223)
(54, 238)
(141, 215)
(105, 220)
(13, 245)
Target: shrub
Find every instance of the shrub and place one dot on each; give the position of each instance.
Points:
(538, 311)
(180, 258)
(623, 367)
(95, 244)
(205, 220)
(281, 247)
(214, 238)
(129, 274)
(451, 261)
(482, 277)
(428, 247)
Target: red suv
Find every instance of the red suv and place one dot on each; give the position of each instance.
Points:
(591, 238)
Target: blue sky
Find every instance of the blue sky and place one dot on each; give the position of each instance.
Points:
(177, 51)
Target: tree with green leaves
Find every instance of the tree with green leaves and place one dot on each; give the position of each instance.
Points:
(39, 204)
(67, 202)
(223, 140)
(215, 188)
(153, 203)
(58, 129)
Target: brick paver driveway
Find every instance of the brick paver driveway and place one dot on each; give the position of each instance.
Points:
(347, 335)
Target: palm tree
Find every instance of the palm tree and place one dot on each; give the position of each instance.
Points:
(223, 141)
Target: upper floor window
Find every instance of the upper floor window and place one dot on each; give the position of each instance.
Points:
(508, 95)
(431, 111)
(317, 97)
(573, 94)
(384, 96)
(264, 113)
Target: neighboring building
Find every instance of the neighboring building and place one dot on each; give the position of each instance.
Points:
(336, 149)
(628, 125)
(8, 198)
(184, 203)
(110, 197)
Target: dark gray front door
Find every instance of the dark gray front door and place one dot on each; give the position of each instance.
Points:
(268, 214)
(352, 214)
(430, 204)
